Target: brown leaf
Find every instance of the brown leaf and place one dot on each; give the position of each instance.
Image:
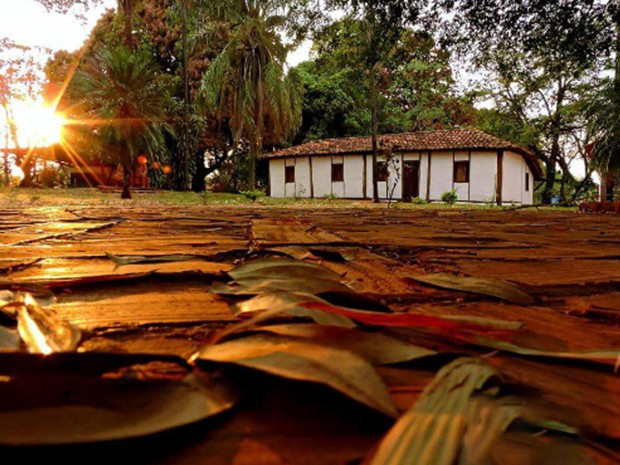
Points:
(412, 320)
(604, 357)
(377, 348)
(43, 332)
(446, 421)
(302, 360)
(66, 410)
(254, 286)
(121, 260)
(281, 269)
(288, 302)
(483, 286)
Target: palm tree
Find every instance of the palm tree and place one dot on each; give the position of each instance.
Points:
(246, 83)
(127, 103)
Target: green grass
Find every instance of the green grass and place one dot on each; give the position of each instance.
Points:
(59, 197)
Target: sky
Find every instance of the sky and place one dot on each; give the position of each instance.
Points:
(27, 22)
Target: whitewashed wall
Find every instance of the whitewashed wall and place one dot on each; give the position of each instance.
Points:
(276, 178)
(441, 174)
(515, 168)
(353, 177)
(514, 178)
(369, 176)
(481, 188)
(302, 177)
(483, 176)
(423, 174)
(322, 175)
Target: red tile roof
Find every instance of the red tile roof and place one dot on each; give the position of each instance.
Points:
(445, 139)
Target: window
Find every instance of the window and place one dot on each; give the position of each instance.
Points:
(382, 171)
(527, 182)
(337, 172)
(289, 174)
(461, 171)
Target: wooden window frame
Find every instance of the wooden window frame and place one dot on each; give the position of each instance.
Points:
(338, 172)
(288, 176)
(455, 171)
(527, 181)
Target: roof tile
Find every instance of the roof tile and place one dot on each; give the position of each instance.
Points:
(445, 139)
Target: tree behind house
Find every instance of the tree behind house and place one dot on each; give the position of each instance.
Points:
(247, 85)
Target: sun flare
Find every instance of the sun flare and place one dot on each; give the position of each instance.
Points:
(37, 125)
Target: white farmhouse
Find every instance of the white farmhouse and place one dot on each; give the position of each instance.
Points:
(423, 164)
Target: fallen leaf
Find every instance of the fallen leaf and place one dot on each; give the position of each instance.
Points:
(483, 286)
(288, 302)
(605, 357)
(445, 423)
(377, 348)
(121, 260)
(65, 410)
(300, 360)
(413, 320)
(43, 332)
(281, 268)
(255, 286)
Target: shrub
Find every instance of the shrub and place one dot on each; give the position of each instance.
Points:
(330, 196)
(418, 201)
(252, 195)
(449, 197)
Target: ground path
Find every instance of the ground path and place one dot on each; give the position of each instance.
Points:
(569, 263)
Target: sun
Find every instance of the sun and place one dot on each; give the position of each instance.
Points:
(37, 125)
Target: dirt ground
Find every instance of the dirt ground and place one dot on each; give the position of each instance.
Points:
(569, 264)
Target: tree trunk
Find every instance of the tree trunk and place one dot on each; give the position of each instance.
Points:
(253, 154)
(127, 7)
(373, 129)
(198, 180)
(186, 103)
(551, 167)
(126, 194)
(554, 156)
(257, 144)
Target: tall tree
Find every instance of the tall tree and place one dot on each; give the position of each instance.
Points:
(384, 22)
(539, 52)
(126, 101)
(417, 88)
(246, 83)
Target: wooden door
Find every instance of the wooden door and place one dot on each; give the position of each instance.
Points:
(411, 180)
